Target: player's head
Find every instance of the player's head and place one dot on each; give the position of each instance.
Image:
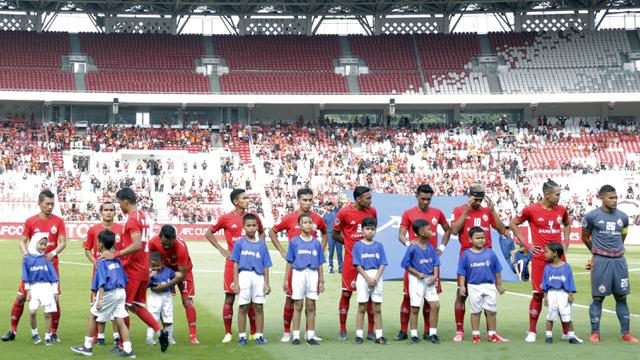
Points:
(107, 211)
(106, 240)
(328, 205)
(369, 225)
(127, 199)
(551, 192)
(507, 231)
(155, 261)
(305, 199)
(424, 193)
(553, 250)
(609, 197)
(421, 228)
(305, 222)
(41, 245)
(362, 196)
(476, 236)
(167, 236)
(250, 225)
(476, 192)
(46, 200)
(239, 199)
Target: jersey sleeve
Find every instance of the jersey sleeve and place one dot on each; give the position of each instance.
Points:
(266, 258)
(356, 254)
(383, 256)
(25, 270)
(182, 255)
(524, 215)
(570, 285)
(625, 221)
(456, 214)
(322, 225)
(260, 227)
(338, 224)
(462, 265)
(495, 262)
(291, 252)
(545, 274)
(565, 216)
(153, 246)
(98, 279)
(133, 225)
(405, 222)
(492, 219)
(235, 254)
(89, 240)
(406, 260)
(587, 222)
(375, 214)
(321, 258)
(434, 257)
(281, 226)
(62, 229)
(442, 220)
(28, 230)
(218, 225)
(52, 273)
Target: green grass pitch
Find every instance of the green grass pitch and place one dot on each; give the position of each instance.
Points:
(208, 264)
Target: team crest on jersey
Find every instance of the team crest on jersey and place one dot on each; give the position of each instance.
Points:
(434, 221)
(337, 222)
(54, 230)
(117, 238)
(619, 222)
(485, 217)
(602, 288)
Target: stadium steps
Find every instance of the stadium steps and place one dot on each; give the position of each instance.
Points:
(485, 45)
(416, 53)
(634, 39)
(74, 42)
(345, 46)
(80, 82)
(214, 82)
(491, 72)
(208, 45)
(354, 85)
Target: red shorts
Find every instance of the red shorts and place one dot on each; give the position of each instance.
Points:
(405, 289)
(289, 288)
(23, 292)
(136, 292)
(228, 277)
(537, 272)
(349, 274)
(187, 287)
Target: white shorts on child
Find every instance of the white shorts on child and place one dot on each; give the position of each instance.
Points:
(558, 305)
(365, 292)
(251, 288)
(419, 290)
(160, 305)
(482, 297)
(304, 284)
(113, 306)
(42, 294)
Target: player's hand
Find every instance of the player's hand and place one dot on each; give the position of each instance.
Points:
(28, 295)
(49, 257)
(98, 304)
(283, 254)
(422, 276)
(467, 206)
(56, 297)
(588, 265)
(267, 289)
(321, 287)
(372, 282)
(463, 290)
(160, 288)
(438, 252)
(432, 281)
(546, 301)
(285, 287)
(570, 298)
(537, 250)
(235, 287)
(225, 253)
(500, 289)
(490, 203)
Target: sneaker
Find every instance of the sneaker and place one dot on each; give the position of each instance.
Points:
(227, 338)
(295, 342)
(531, 337)
(358, 340)
(36, 339)
(242, 341)
(100, 342)
(286, 337)
(55, 338)
(414, 340)
(47, 342)
(343, 336)
(315, 337)
(565, 336)
(629, 338)
(494, 338)
(163, 339)
(475, 339)
(575, 340)
(194, 340)
(371, 336)
(80, 349)
(313, 341)
(9, 336)
(434, 339)
(382, 341)
(150, 341)
(330, 271)
(502, 338)
(459, 336)
(401, 336)
(548, 340)
(115, 349)
(172, 341)
(594, 338)
(130, 355)
(261, 341)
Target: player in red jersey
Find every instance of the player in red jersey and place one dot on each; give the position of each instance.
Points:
(548, 221)
(176, 256)
(233, 230)
(434, 217)
(290, 223)
(465, 217)
(135, 260)
(44, 222)
(348, 230)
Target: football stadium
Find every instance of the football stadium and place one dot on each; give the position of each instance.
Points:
(253, 179)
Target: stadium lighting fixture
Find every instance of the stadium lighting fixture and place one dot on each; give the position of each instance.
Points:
(392, 107)
(612, 105)
(115, 106)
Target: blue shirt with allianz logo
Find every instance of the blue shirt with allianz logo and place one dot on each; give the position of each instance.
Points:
(251, 255)
(304, 254)
(479, 268)
(421, 260)
(369, 256)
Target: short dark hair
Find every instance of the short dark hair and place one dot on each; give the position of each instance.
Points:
(107, 238)
(557, 248)
(359, 191)
(419, 224)
(369, 222)
(126, 194)
(605, 189)
(549, 185)
(155, 256)
(168, 232)
(249, 217)
(45, 194)
(302, 216)
(107, 203)
(475, 230)
(304, 191)
(235, 193)
(424, 188)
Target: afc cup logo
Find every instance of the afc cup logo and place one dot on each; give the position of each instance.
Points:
(54, 230)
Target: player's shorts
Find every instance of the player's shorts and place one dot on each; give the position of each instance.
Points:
(187, 286)
(559, 305)
(113, 306)
(609, 276)
(482, 297)
(349, 274)
(136, 292)
(366, 293)
(251, 288)
(160, 305)
(537, 273)
(405, 289)
(289, 283)
(23, 292)
(228, 277)
(304, 284)
(420, 291)
(42, 295)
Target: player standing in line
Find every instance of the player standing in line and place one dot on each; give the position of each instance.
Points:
(549, 222)
(176, 256)
(232, 225)
(135, 260)
(43, 222)
(434, 217)
(348, 230)
(604, 231)
(472, 214)
(290, 223)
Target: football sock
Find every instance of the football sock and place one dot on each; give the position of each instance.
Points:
(288, 314)
(16, 312)
(622, 310)
(534, 312)
(343, 309)
(191, 316)
(405, 312)
(595, 313)
(227, 316)
(459, 314)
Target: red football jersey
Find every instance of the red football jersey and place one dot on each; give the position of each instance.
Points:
(546, 225)
(481, 217)
(174, 257)
(433, 216)
(54, 225)
(290, 223)
(91, 240)
(136, 265)
(349, 222)
(231, 223)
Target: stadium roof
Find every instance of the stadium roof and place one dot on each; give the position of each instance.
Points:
(308, 7)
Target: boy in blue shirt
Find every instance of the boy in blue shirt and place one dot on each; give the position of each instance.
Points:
(109, 282)
(304, 260)
(370, 260)
(41, 283)
(558, 287)
(251, 263)
(522, 263)
(160, 298)
(423, 265)
(480, 277)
